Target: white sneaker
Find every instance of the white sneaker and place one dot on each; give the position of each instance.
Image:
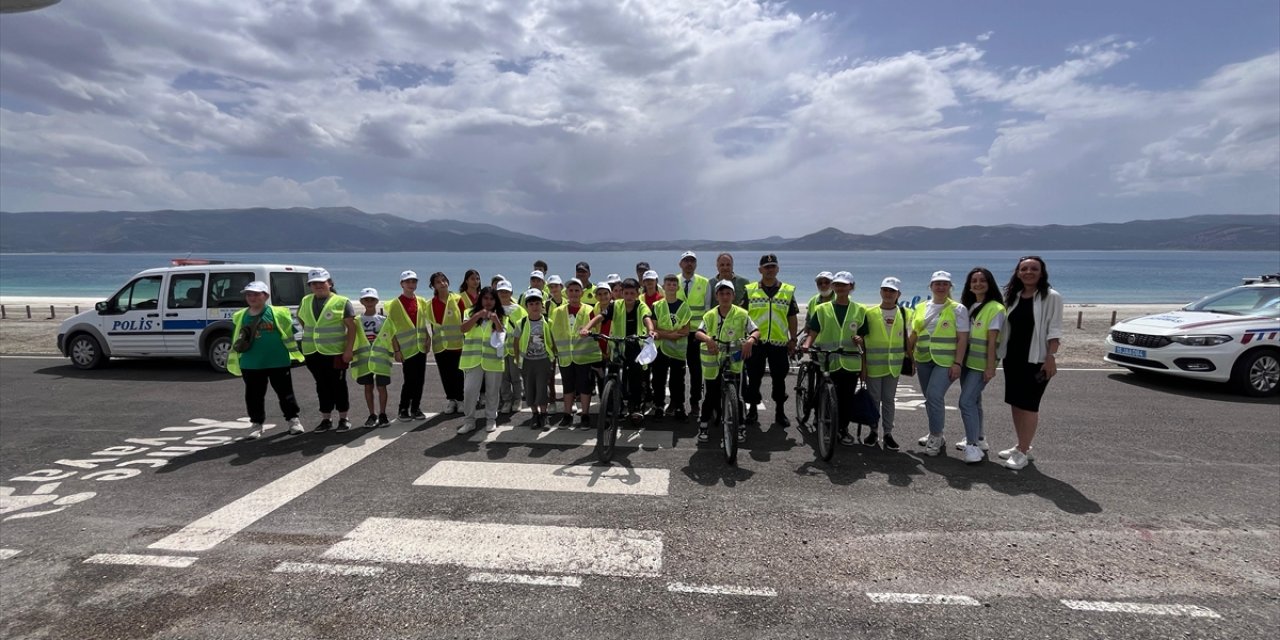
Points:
(295, 426)
(491, 427)
(467, 427)
(972, 454)
(982, 444)
(934, 445)
(450, 406)
(1017, 460)
(255, 431)
(924, 440)
(1004, 455)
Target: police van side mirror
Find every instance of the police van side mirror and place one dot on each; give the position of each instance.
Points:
(102, 307)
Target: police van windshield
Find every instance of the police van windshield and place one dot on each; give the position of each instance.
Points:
(1241, 301)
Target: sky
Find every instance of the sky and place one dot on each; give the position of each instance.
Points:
(646, 119)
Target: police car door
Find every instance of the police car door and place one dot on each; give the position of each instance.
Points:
(131, 320)
(184, 313)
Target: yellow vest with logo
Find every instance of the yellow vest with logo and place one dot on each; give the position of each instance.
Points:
(696, 299)
(940, 346)
(885, 347)
(833, 334)
(477, 352)
(512, 320)
(570, 347)
(411, 338)
(522, 342)
(770, 314)
(448, 334)
(667, 321)
(374, 357)
(976, 356)
(733, 330)
(328, 333)
(284, 323)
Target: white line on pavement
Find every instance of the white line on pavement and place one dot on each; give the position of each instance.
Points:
(721, 590)
(504, 547)
(563, 437)
(1143, 608)
(517, 578)
(172, 562)
(327, 568)
(213, 529)
(21, 357)
(921, 598)
(5, 554)
(547, 477)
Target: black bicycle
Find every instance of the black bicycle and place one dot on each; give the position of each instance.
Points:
(821, 396)
(730, 402)
(806, 389)
(609, 416)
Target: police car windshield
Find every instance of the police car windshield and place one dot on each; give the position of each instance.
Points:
(1241, 301)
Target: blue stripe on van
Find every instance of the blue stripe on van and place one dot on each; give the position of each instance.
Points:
(186, 324)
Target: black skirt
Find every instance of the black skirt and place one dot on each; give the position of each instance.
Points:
(1021, 389)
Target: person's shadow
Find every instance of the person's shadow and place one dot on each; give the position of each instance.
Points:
(708, 468)
(1028, 480)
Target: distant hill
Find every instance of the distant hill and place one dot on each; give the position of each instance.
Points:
(349, 229)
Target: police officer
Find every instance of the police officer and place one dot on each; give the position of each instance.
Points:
(771, 304)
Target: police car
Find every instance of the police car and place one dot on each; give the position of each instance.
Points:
(1231, 336)
(182, 311)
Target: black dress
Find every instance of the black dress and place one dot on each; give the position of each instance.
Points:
(1021, 389)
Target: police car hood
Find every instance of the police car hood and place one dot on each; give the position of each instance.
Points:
(1171, 322)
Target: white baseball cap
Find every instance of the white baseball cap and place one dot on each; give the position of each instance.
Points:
(843, 277)
(370, 292)
(725, 283)
(317, 275)
(499, 277)
(650, 275)
(824, 275)
(688, 254)
(603, 285)
(503, 285)
(573, 281)
(891, 283)
(613, 278)
(533, 294)
(554, 280)
(257, 286)
(940, 276)
(408, 275)
(537, 274)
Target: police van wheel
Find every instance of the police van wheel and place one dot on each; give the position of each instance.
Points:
(219, 349)
(85, 352)
(1258, 373)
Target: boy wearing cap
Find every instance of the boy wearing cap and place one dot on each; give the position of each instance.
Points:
(537, 280)
(938, 341)
(824, 294)
(372, 364)
(582, 271)
(628, 316)
(411, 341)
(534, 351)
(672, 320)
(329, 333)
(840, 325)
(772, 305)
(642, 267)
(652, 292)
(576, 355)
(694, 291)
(512, 390)
(888, 324)
(729, 323)
(268, 358)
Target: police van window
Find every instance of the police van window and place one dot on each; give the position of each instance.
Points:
(143, 293)
(287, 289)
(186, 291)
(225, 288)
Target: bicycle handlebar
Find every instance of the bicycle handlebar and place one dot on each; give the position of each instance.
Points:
(631, 339)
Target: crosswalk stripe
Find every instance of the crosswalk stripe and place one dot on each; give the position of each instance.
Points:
(1143, 608)
(518, 578)
(563, 437)
(503, 547)
(721, 590)
(5, 554)
(170, 562)
(922, 598)
(547, 477)
(327, 568)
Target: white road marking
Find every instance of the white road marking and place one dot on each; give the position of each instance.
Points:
(517, 578)
(547, 477)
(5, 554)
(922, 598)
(562, 437)
(721, 590)
(172, 562)
(213, 529)
(21, 357)
(327, 568)
(1143, 608)
(504, 547)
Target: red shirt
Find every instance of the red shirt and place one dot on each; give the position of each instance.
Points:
(410, 305)
(437, 309)
(653, 299)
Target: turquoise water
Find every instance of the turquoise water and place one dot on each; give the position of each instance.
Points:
(1081, 276)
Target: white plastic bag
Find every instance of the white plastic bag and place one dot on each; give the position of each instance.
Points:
(497, 339)
(648, 354)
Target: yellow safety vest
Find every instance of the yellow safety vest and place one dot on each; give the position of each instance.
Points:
(375, 357)
(885, 347)
(522, 342)
(940, 346)
(733, 330)
(770, 314)
(696, 299)
(976, 356)
(284, 326)
(448, 334)
(411, 337)
(667, 321)
(328, 334)
(477, 352)
(570, 347)
(833, 335)
(512, 319)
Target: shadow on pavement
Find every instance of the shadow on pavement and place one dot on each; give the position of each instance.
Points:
(1028, 480)
(1189, 388)
(278, 442)
(159, 370)
(708, 468)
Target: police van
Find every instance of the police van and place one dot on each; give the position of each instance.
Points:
(182, 311)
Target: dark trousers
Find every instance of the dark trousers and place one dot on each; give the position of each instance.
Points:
(331, 384)
(450, 374)
(634, 378)
(711, 408)
(255, 392)
(775, 356)
(666, 366)
(846, 385)
(415, 376)
(693, 358)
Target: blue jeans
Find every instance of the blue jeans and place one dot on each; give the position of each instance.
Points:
(934, 383)
(971, 386)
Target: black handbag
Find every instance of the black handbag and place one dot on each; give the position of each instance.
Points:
(864, 408)
(908, 364)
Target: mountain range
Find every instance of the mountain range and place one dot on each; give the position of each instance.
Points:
(349, 229)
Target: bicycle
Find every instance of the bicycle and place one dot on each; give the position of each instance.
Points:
(806, 389)
(824, 401)
(616, 374)
(730, 403)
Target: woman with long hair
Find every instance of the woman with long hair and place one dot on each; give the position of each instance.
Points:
(469, 288)
(482, 363)
(981, 296)
(1029, 350)
(446, 315)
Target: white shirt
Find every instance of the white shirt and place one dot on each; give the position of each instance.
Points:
(997, 321)
(1048, 318)
(372, 325)
(933, 311)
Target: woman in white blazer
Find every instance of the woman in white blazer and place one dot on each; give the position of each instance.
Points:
(1028, 348)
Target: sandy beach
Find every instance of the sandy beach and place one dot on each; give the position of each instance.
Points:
(1082, 346)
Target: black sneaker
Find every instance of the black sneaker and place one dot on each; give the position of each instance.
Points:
(343, 425)
(566, 420)
(539, 421)
(889, 443)
(404, 416)
(693, 408)
(703, 435)
(371, 422)
(657, 412)
(870, 440)
(418, 414)
(780, 419)
(586, 420)
(383, 421)
(753, 415)
(742, 436)
(324, 425)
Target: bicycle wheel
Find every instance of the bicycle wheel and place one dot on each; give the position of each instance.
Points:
(607, 421)
(729, 419)
(826, 420)
(804, 403)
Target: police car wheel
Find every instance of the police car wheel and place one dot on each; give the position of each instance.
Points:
(85, 352)
(219, 349)
(1258, 373)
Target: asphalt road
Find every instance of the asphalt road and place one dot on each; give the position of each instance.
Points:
(1151, 512)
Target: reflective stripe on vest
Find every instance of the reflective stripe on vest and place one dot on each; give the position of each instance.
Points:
(667, 321)
(697, 296)
(770, 314)
(477, 352)
(733, 330)
(885, 350)
(284, 325)
(375, 357)
(940, 346)
(976, 356)
(327, 334)
(569, 346)
(834, 335)
(448, 334)
(409, 336)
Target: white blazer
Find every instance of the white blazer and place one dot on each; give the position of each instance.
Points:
(1048, 317)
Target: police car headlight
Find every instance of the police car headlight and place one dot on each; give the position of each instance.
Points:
(1201, 341)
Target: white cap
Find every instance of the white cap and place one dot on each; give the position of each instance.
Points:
(613, 278)
(891, 283)
(533, 294)
(317, 275)
(824, 275)
(499, 277)
(408, 275)
(725, 283)
(370, 292)
(943, 276)
(537, 274)
(688, 254)
(843, 277)
(256, 286)
(650, 275)
(603, 285)
(554, 280)
(503, 285)
(573, 281)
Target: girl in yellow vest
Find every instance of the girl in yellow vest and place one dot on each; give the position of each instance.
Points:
(886, 342)
(411, 342)
(939, 339)
(328, 342)
(981, 296)
(268, 357)
(470, 288)
(445, 315)
(482, 363)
